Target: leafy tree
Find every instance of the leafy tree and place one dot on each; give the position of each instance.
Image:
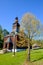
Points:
(2, 34)
(22, 40)
(1, 37)
(31, 26)
(5, 32)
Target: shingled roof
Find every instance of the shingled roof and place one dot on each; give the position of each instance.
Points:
(8, 40)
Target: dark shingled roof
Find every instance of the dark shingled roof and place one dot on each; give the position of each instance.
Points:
(8, 40)
(16, 23)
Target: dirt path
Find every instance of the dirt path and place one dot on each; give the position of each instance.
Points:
(40, 62)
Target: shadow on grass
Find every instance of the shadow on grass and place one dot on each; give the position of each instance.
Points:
(38, 59)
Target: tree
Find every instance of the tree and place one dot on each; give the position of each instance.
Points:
(31, 26)
(5, 32)
(2, 34)
(22, 40)
(1, 37)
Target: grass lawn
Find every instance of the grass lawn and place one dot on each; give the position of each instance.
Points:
(20, 58)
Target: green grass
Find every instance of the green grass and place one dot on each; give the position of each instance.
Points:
(8, 59)
(20, 58)
(36, 55)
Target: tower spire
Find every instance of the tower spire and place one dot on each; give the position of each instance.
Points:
(16, 19)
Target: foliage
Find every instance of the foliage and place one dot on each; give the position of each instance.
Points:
(2, 34)
(23, 40)
(31, 26)
(1, 37)
(5, 32)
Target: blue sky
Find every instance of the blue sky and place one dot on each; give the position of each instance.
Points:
(9, 9)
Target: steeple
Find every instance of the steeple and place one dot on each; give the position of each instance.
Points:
(16, 26)
(16, 20)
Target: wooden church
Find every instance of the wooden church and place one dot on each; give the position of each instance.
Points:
(10, 40)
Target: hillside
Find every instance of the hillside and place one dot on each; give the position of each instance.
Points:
(20, 58)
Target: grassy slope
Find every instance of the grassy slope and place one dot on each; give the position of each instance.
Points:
(20, 57)
(8, 59)
(37, 57)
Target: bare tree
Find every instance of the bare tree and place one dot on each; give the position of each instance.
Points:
(31, 26)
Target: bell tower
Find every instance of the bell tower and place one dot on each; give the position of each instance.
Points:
(16, 26)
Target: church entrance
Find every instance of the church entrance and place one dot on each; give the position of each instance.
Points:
(10, 46)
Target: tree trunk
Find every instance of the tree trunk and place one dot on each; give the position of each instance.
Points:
(29, 51)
